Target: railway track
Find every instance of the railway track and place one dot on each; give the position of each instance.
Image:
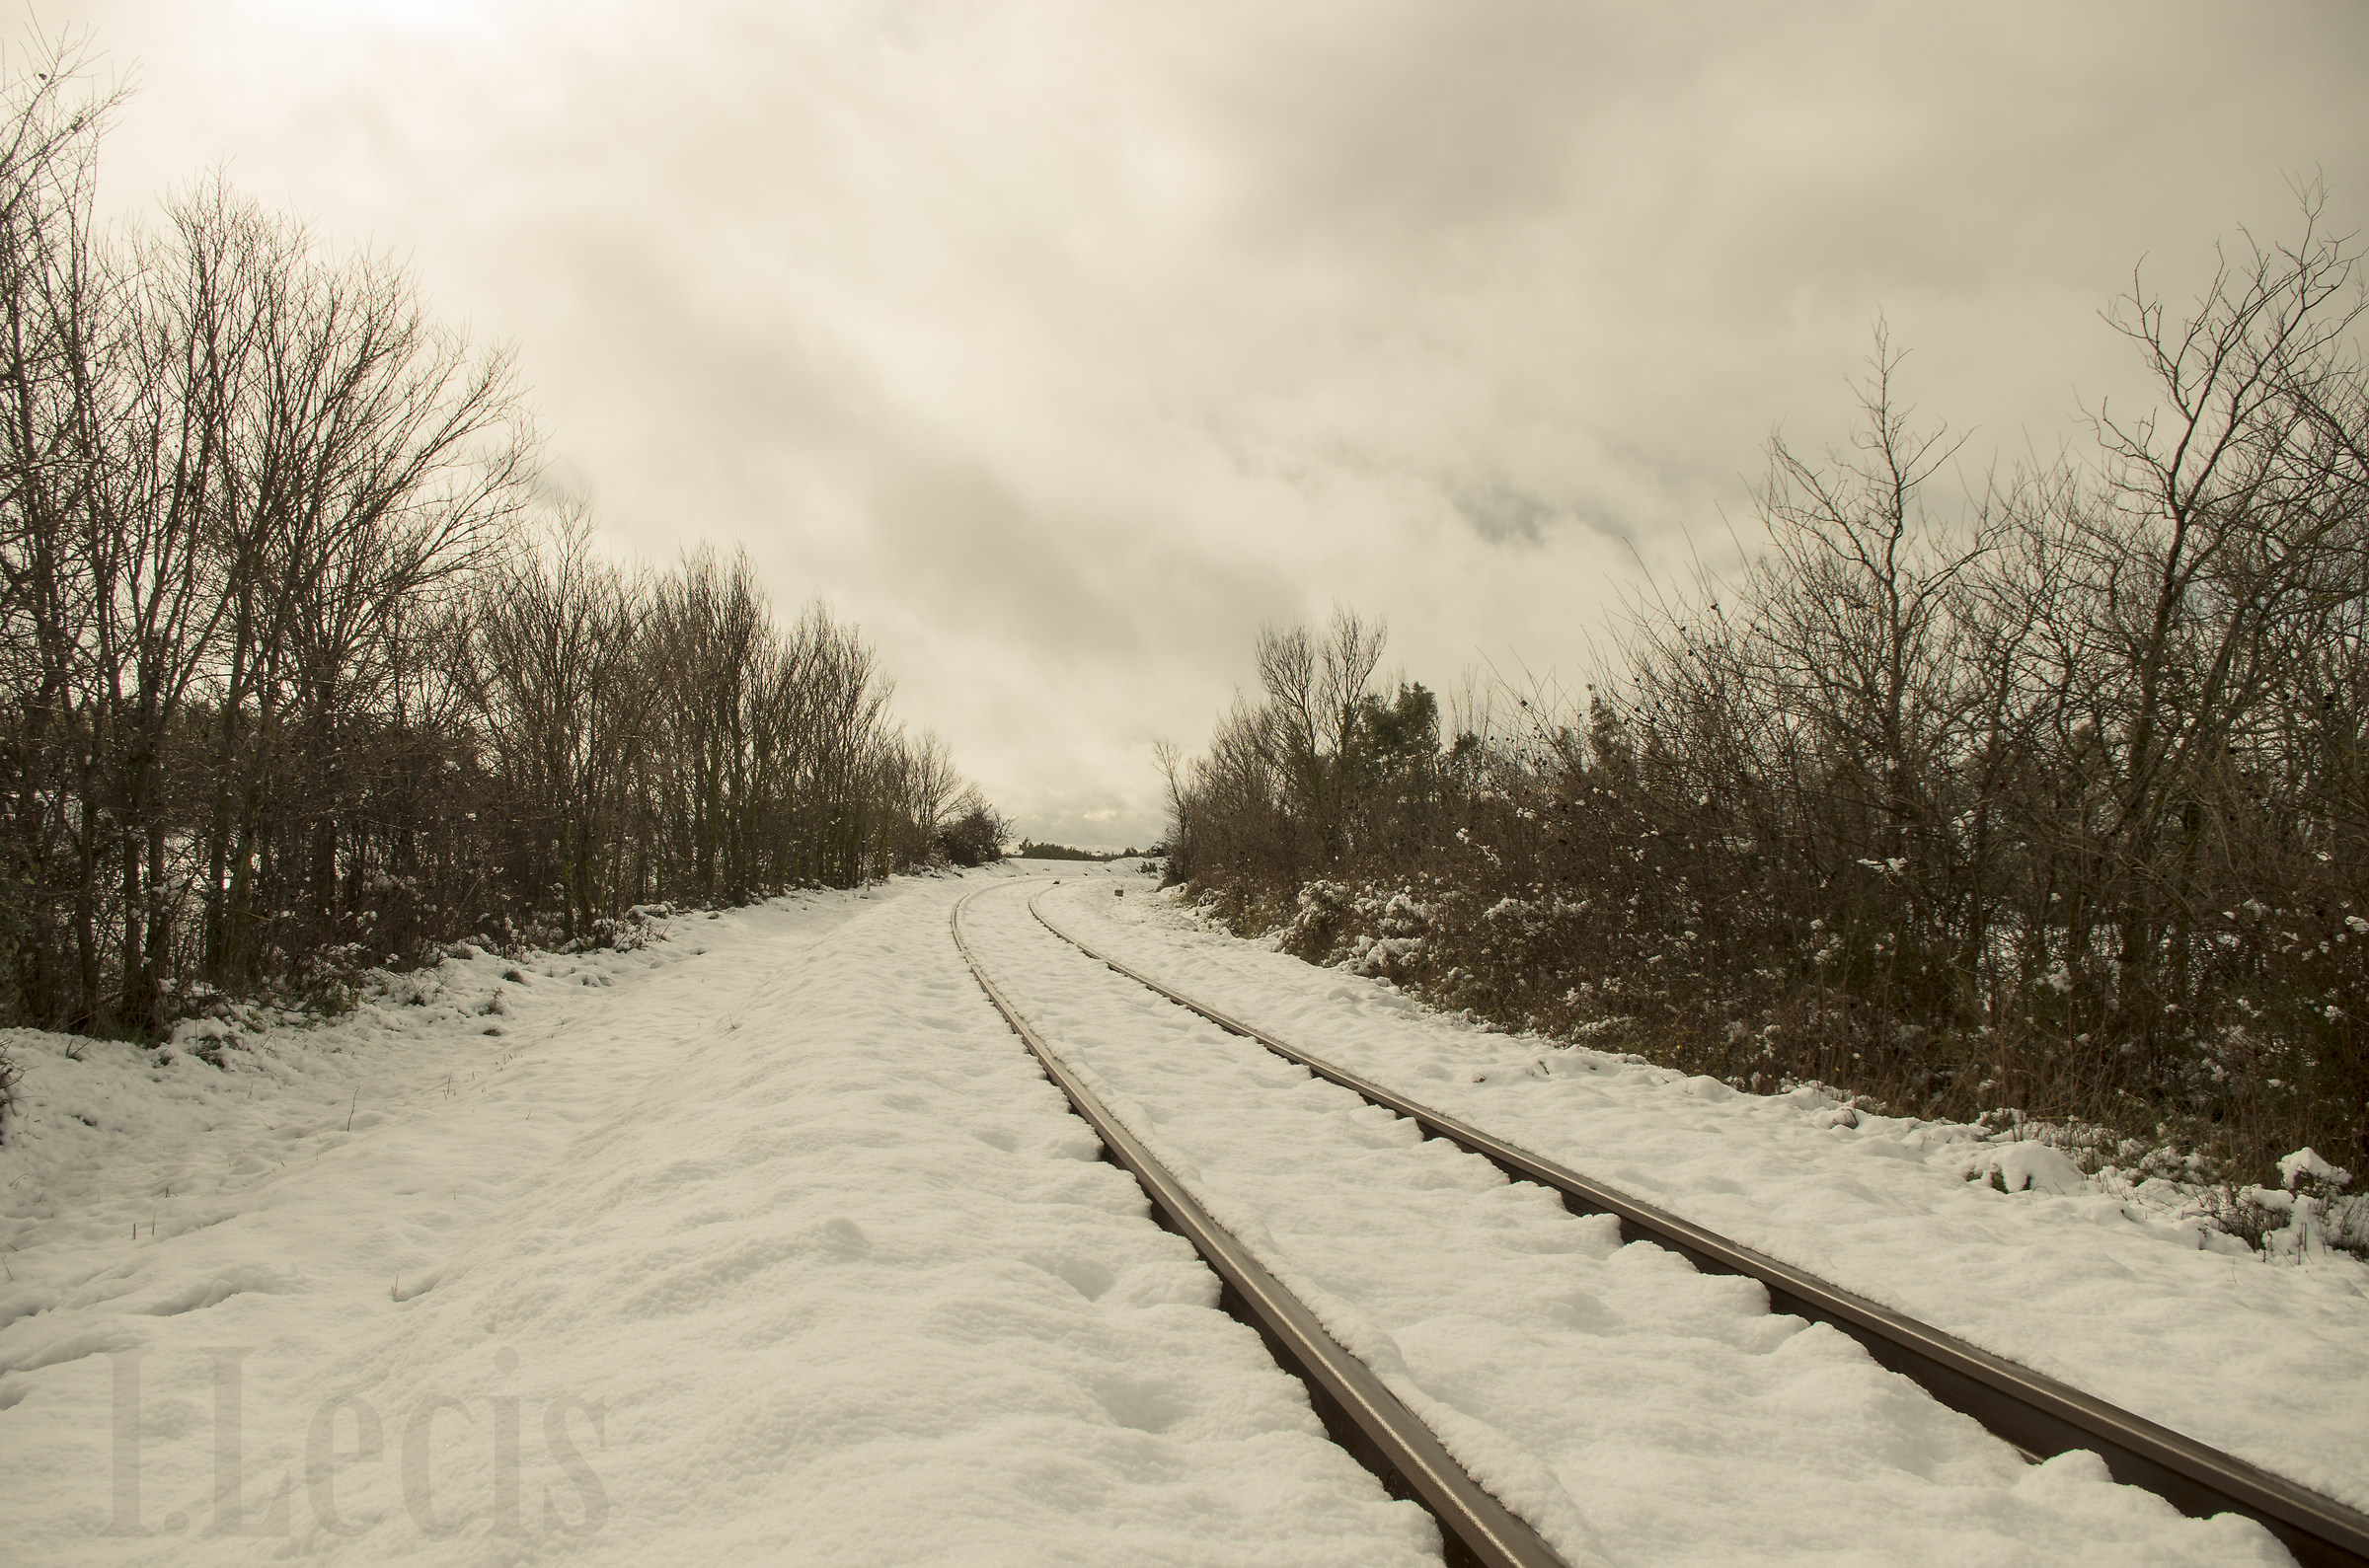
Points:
(2038, 1415)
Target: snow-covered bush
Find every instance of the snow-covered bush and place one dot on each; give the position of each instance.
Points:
(2307, 1212)
(10, 1076)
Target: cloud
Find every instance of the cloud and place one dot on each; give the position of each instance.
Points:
(1062, 344)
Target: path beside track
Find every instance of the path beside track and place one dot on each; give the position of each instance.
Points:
(801, 1253)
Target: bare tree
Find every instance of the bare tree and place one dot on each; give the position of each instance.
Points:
(2046, 794)
(289, 690)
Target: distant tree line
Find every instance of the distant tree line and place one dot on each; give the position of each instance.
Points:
(301, 674)
(1030, 850)
(2052, 795)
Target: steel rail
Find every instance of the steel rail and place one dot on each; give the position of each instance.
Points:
(1384, 1434)
(2037, 1414)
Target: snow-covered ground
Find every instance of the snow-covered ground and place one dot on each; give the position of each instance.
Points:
(769, 1242)
(2265, 1359)
(1631, 1409)
(765, 1244)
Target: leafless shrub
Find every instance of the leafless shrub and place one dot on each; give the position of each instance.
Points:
(2047, 793)
(972, 832)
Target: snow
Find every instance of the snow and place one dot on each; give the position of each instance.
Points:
(2306, 1163)
(767, 1242)
(2026, 1166)
(2082, 1280)
(1630, 1408)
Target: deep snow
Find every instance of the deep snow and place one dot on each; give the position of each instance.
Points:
(777, 1247)
(769, 1242)
(1633, 1410)
(2088, 1283)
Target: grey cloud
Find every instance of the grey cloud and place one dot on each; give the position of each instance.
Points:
(1062, 344)
(1503, 514)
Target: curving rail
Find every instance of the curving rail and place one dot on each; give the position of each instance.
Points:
(2037, 1414)
(1363, 1415)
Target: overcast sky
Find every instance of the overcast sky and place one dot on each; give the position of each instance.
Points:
(1062, 345)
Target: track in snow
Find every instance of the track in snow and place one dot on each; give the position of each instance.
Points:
(1361, 1414)
(2036, 1414)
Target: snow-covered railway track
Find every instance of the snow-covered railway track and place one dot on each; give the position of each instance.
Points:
(2040, 1415)
(1361, 1414)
